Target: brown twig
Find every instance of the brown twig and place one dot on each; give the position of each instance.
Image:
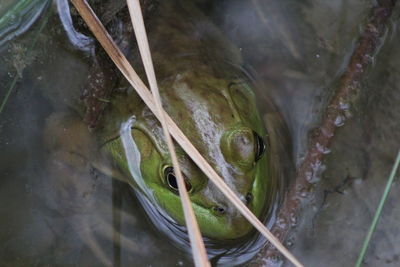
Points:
(103, 75)
(334, 116)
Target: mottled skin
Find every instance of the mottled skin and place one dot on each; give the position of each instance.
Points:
(206, 94)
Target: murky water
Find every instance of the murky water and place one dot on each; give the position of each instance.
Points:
(335, 225)
(297, 52)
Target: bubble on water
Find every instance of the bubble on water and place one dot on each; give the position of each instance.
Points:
(370, 59)
(309, 176)
(281, 223)
(322, 149)
(344, 106)
(304, 193)
(289, 242)
(339, 121)
(312, 179)
(293, 220)
(314, 175)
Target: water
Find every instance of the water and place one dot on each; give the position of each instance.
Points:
(41, 224)
(24, 14)
(362, 156)
(297, 51)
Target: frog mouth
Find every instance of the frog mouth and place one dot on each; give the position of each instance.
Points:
(216, 225)
(223, 253)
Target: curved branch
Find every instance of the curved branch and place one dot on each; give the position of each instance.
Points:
(334, 116)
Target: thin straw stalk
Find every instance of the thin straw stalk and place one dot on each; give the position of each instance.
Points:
(378, 211)
(198, 250)
(124, 66)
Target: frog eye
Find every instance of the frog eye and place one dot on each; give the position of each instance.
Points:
(259, 146)
(171, 181)
(249, 197)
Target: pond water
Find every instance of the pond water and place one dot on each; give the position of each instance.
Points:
(297, 50)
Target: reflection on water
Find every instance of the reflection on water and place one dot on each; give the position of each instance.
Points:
(296, 51)
(16, 17)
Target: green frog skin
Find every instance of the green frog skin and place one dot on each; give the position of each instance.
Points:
(212, 102)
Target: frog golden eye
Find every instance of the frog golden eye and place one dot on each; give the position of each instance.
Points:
(259, 146)
(171, 181)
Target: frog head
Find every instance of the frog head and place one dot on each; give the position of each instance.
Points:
(220, 118)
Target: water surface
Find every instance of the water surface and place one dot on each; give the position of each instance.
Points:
(297, 51)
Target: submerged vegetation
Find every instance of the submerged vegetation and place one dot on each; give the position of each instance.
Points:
(22, 55)
(19, 18)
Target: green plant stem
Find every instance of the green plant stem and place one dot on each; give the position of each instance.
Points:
(12, 85)
(378, 211)
(15, 80)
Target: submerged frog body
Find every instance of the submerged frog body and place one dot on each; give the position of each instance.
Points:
(212, 102)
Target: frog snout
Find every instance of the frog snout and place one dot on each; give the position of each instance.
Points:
(224, 208)
(237, 146)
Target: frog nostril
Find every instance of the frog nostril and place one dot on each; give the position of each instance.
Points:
(219, 210)
(249, 197)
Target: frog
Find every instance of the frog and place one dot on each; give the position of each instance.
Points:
(210, 97)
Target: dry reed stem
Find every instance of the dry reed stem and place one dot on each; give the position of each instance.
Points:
(198, 249)
(362, 57)
(124, 66)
